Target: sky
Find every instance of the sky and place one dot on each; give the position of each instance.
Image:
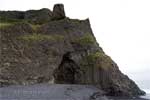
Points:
(121, 27)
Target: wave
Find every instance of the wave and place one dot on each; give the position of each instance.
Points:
(147, 91)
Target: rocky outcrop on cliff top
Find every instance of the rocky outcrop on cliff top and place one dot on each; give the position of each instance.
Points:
(42, 46)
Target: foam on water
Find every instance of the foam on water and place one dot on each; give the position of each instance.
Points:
(147, 91)
(147, 96)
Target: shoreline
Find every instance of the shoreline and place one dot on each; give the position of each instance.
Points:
(57, 91)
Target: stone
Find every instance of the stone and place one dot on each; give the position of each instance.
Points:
(58, 12)
(38, 16)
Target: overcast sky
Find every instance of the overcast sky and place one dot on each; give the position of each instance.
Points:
(122, 28)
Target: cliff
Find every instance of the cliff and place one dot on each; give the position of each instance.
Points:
(43, 46)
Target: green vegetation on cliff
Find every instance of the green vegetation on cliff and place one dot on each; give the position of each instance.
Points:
(9, 20)
(40, 37)
(86, 39)
(35, 26)
(97, 59)
(4, 25)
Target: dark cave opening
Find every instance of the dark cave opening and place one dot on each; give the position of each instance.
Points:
(66, 71)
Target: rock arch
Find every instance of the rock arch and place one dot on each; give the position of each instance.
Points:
(67, 72)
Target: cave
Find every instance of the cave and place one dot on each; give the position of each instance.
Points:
(67, 71)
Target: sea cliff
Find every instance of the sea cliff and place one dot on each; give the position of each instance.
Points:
(44, 46)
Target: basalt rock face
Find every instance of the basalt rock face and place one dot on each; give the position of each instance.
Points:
(50, 48)
(34, 16)
(58, 12)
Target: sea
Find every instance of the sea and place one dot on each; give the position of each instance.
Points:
(146, 97)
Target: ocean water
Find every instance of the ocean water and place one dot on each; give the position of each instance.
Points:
(146, 97)
(147, 91)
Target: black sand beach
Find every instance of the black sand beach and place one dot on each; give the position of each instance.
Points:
(54, 92)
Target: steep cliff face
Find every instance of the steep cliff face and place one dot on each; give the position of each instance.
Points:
(46, 47)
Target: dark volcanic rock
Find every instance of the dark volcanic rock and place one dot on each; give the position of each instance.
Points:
(34, 16)
(41, 48)
(58, 12)
(38, 16)
(12, 14)
(68, 71)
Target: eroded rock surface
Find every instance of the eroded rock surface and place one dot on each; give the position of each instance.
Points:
(58, 12)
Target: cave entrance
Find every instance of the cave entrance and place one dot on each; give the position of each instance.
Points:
(66, 71)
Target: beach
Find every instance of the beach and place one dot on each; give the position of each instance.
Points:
(56, 92)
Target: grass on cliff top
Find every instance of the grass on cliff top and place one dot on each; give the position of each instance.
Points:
(40, 37)
(7, 24)
(4, 22)
(9, 20)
